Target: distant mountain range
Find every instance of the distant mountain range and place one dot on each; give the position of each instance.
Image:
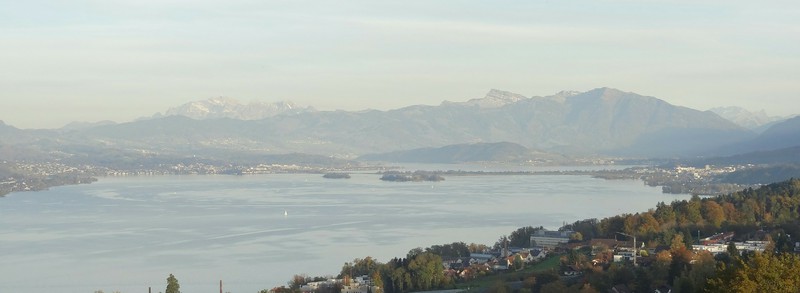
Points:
(757, 121)
(601, 121)
(224, 107)
(598, 121)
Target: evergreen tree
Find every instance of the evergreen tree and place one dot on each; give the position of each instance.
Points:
(172, 285)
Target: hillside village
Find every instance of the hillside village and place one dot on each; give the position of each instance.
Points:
(563, 244)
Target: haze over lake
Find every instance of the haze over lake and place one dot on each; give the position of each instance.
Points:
(254, 232)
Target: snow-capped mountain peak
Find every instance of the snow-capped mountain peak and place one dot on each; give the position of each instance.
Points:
(225, 107)
(495, 99)
(745, 118)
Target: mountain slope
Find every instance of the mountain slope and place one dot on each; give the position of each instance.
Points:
(784, 134)
(790, 155)
(627, 123)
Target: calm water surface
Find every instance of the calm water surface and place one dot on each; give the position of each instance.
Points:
(128, 234)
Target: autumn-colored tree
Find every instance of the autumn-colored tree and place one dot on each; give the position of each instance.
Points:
(298, 281)
(713, 213)
(630, 223)
(360, 267)
(764, 272)
(732, 215)
(647, 224)
(377, 280)
(677, 243)
(660, 267)
(681, 257)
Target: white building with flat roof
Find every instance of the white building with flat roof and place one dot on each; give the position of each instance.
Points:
(757, 246)
(550, 239)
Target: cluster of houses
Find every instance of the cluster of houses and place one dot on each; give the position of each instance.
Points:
(718, 243)
(360, 284)
(625, 250)
(715, 244)
(502, 260)
(543, 242)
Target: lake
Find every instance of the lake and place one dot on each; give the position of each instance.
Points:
(254, 232)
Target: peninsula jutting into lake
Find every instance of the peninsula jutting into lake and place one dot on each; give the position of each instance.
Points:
(416, 176)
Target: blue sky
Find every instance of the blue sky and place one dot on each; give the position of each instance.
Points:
(63, 61)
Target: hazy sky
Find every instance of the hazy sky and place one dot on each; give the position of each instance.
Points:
(63, 61)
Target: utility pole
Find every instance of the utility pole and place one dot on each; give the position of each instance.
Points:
(220, 286)
(634, 246)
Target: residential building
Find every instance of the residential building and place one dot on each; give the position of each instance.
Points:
(756, 246)
(720, 238)
(550, 239)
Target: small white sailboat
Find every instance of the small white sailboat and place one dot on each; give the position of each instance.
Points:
(285, 213)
